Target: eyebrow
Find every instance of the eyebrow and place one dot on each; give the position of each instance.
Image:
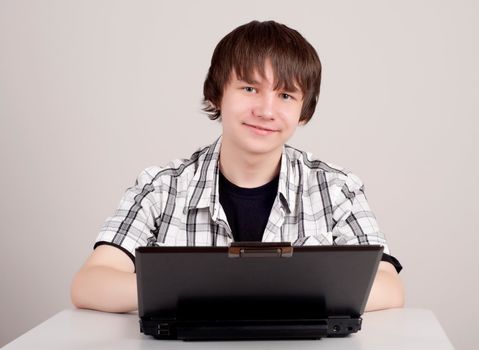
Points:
(294, 90)
(247, 81)
(254, 82)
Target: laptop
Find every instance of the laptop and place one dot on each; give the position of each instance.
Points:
(254, 290)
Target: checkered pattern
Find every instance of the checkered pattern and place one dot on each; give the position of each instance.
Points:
(178, 205)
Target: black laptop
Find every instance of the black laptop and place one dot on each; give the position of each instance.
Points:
(254, 290)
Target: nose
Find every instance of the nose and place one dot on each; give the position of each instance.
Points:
(265, 106)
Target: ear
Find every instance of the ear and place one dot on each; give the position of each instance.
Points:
(301, 122)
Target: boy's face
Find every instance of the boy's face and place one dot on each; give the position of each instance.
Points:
(257, 119)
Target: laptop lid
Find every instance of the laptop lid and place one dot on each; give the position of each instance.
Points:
(254, 281)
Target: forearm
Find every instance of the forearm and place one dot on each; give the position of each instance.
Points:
(387, 291)
(105, 289)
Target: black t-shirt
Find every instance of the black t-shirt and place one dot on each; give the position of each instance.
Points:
(248, 209)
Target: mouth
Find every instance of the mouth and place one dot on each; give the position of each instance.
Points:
(260, 128)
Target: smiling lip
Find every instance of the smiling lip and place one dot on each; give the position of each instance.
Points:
(259, 127)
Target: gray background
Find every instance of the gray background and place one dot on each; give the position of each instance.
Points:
(92, 92)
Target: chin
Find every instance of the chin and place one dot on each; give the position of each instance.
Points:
(259, 148)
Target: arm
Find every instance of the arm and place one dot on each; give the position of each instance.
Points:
(106, 282)
(387, 291)
(355, 223)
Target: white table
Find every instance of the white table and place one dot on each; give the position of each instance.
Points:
(83, 329)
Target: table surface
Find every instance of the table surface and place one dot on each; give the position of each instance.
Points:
(84, 329)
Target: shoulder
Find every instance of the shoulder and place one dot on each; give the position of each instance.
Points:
(181, 169)
(317, 171)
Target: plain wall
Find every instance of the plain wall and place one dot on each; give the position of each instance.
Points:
(92, 92)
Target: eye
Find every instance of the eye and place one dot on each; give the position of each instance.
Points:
(249, 89)
(286, 96)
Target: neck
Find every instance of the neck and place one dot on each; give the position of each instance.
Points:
(249, 170)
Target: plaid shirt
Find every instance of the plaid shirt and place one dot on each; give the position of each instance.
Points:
(178, 205)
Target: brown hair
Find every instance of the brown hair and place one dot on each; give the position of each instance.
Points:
(246, 48)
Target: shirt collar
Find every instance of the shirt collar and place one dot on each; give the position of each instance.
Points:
(287, 181)
(203, 190)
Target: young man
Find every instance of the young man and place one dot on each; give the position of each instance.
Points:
(248, 185)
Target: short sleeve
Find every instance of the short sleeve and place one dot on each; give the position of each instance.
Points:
(393, 261)
(354, 222)
(133, 224)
